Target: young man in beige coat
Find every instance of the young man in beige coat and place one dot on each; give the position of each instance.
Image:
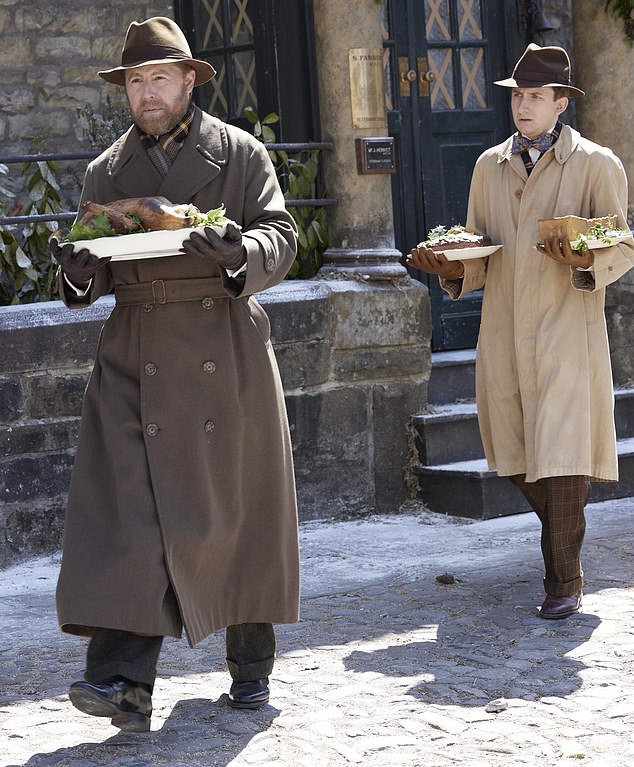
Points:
(543, 376)
(182, 512)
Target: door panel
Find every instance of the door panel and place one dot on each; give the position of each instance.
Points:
(448, 111)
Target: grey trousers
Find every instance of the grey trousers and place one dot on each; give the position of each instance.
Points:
(250, 654)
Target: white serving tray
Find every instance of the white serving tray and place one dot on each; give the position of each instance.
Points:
(126, 247)
(462, 254)
(596, 244)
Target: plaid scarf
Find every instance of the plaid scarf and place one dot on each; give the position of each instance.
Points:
(162, 150)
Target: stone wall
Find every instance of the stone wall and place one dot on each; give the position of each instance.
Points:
(355, 360)
(50, 53)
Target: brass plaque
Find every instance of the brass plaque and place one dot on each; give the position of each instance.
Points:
(367, 88)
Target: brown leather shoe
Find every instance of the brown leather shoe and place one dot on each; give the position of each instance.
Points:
(555, 608)
(128, 705)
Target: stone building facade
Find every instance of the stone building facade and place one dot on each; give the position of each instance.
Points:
(50, 53)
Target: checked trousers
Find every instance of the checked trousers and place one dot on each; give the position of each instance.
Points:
(559, 503)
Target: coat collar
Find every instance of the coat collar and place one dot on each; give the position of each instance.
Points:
(562, 148)
(199, 161)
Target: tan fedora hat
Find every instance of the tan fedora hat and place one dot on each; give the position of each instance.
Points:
(158, 40)
(547, 67)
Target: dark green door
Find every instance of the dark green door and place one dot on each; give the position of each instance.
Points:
(445, 55)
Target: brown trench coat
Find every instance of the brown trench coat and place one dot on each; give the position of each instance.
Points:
(182, 507)
(543, 376)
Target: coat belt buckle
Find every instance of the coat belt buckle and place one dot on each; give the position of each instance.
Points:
(159, 296)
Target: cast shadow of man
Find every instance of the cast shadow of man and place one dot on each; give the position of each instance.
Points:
(198, 731)
(484, 650)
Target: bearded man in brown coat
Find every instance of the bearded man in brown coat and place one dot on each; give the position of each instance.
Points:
(182, 509)
(543, 378)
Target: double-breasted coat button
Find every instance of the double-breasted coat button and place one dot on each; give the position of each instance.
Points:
(269, 264)
(152, 430)
(207, 302)
(209, 367)
(209, 426)
(518, 194)
(150, 369)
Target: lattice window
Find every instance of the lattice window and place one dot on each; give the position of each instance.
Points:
(224, 31)
(457, 54)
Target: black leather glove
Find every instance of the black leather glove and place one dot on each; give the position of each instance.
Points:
(79, 266)
(227, 251)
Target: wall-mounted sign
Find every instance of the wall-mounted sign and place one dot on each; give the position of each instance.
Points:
(367, 90)
(375, 155)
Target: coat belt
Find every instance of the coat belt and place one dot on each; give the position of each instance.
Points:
(167, 291)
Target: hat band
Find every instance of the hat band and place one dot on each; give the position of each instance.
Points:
(540, 77)
(143, 53)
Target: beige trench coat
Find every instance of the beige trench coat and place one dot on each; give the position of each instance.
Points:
(182, 508)
(543, 376)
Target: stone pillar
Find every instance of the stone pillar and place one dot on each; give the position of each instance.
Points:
(361, 226)
(603, 65)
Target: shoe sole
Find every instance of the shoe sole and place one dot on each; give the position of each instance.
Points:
(559, 617)
(250, 705)
(93, 704)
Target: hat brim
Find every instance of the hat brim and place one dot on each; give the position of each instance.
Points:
(511, 82)
(204, 71)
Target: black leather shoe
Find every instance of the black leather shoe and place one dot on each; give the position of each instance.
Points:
(249, 694)
(555, 608)
(128, 705)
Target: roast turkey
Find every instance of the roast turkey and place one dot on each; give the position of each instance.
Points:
(135, 214)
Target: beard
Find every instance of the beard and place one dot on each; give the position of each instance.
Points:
(157, 125)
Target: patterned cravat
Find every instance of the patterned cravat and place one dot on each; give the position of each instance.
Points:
(523, 144)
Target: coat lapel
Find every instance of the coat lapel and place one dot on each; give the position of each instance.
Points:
(200, 160)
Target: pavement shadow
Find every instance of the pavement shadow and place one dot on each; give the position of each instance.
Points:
(198, 731)
(482, 650)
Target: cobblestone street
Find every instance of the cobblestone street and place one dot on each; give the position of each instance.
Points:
(388, 666)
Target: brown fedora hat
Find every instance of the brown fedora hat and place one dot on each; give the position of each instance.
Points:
(547, 67)
(156, 41)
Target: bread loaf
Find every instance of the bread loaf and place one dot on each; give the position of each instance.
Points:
(570, 227)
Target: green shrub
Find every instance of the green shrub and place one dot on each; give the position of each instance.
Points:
(27, 273)
(298, 175)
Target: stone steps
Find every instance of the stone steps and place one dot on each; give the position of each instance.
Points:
(453, 475)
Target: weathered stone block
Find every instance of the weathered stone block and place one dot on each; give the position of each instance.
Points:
(39, 436)
(31, 531)
(28, 477)
(60, 48)
(300, 312)
(391, 440)
(16, 100)
(378, 315)
(11, 400)
(56, 395)
(47, 336)
(385, 362)
(303, 364)
(17, 54)
(330, 431)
